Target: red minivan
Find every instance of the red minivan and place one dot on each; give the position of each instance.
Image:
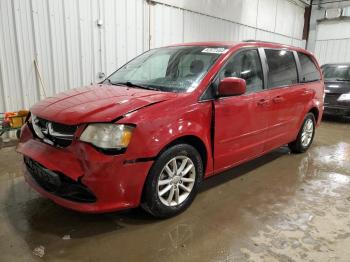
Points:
(162, 123)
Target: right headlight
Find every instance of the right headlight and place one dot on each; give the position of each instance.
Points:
(108, 136)
(344, 97)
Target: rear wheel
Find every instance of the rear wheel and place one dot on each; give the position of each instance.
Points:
(305, 135)
(173, 181)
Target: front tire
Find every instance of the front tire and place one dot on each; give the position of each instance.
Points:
(173, 181)
(305, 136)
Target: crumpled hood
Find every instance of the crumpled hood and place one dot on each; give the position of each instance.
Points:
(96, 103)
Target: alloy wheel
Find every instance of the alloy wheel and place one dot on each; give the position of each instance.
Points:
(307, 133)
(176, 181)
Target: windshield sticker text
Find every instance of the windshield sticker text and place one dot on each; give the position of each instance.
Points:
(218, 50)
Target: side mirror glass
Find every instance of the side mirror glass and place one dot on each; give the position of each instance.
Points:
(232, 86)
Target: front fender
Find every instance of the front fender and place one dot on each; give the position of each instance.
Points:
(155, 129)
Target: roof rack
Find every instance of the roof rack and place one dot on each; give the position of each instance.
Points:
(257, 40)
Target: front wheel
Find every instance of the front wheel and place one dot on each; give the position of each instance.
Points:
(305, 135)
(173, 181)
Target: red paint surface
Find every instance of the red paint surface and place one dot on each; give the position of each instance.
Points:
(245, 127)
(231, 86)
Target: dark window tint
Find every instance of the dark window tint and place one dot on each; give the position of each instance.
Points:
(246, 65)
(282, 68)
(309, 70)
(336, 72)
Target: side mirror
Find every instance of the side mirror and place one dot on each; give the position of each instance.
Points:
(232, 86)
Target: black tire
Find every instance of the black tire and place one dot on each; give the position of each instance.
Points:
(151, 201)
(297, 146)
(18, 133)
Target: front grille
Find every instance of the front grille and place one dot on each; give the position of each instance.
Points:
(53, 133)
(58, 183)
(331, 99)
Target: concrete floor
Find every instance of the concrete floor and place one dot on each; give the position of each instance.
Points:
(280, 207)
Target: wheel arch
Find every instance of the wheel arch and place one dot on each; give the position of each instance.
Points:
(315, 112)
(192, 140)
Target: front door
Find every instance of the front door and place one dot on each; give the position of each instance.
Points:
(241, 121)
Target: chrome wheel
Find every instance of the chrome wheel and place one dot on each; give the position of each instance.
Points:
(176, 181)
(307, 133)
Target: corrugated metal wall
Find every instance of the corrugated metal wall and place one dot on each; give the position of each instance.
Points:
(71, 49)
(170, 24)
(64, 39)
(333, 51)
(333, 41)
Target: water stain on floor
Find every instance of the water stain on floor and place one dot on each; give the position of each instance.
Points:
(280, 207)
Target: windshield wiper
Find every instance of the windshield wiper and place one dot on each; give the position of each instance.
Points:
(130, 84)
(339, 79)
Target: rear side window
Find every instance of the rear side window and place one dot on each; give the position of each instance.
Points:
(282, 68)
(309, 70)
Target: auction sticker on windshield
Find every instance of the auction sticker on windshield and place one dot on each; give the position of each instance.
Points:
(217, 50)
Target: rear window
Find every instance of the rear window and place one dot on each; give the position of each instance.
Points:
(282, 68)
(309, 70)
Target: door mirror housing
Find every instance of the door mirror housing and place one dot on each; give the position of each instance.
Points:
(232, 86)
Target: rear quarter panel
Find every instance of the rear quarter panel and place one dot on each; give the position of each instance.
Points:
(315, 95)
(318, 92)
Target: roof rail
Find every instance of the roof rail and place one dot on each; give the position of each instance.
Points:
(257, 40)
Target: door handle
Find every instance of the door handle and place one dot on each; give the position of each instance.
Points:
(263, 102)
(278, 99)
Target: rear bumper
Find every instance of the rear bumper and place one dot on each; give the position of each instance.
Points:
(116, 185)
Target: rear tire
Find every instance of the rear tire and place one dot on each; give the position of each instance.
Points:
(173, 181)
(305, 136)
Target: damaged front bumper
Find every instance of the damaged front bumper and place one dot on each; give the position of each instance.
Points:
(79, 177)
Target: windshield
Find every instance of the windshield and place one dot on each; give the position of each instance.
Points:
(336, 72)
(171, 69)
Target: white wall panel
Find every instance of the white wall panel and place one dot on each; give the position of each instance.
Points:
(298, 26)
(225, 9)
(239, 11)
(333, 29)
(299, 43)
(43, 42)
(249, 13)
(71, 50)
(333, 51)
(167, 25)
(58, 46)
(333, 41)
(73, 43)
(285, 17)
(267, 18)
(24, 48)
(13, 69)
(171, 25)
(64, 39)
(205, 28)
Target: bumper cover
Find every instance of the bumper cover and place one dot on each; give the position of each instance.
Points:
(58, 184)
(337, 110)
(116, 185)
